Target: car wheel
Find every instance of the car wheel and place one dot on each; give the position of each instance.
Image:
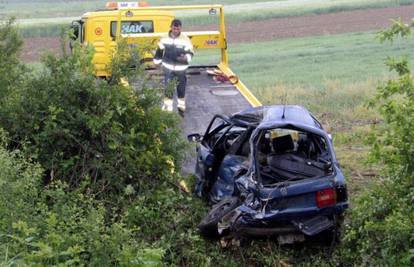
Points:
(208, 226)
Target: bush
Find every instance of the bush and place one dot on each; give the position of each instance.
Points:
(19, 187)
(80, 128)
(98, 145)
(381, 223)
(52, 225)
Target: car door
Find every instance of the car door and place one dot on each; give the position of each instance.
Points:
(208, 153)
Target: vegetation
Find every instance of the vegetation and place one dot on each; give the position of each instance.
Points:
(380, 230)
(98, 146)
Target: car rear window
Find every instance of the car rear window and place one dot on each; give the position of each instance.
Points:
(133, 27)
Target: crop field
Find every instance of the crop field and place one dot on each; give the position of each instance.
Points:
(45, 18)
(237, 9)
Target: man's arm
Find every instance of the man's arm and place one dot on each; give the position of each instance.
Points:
(189, 50)
(159, 53)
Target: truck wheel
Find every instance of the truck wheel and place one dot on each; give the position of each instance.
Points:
(208, 226)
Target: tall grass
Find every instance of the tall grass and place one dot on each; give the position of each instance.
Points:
(338, 104)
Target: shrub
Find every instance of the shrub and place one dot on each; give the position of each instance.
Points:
(10, 47)
(19, 187)
(53, 225)
(381, 223)
(81, 128)
(98, 145)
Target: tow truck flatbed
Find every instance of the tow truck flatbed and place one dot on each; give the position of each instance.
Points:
(206, 97)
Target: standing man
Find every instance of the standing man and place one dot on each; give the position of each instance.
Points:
(174, 52)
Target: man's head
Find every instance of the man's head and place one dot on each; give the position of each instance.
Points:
(176, 27)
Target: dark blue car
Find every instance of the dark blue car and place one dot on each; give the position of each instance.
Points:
(269, 170)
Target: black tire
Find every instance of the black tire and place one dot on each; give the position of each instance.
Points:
(208, 226)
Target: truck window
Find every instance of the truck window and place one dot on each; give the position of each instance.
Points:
(133, 27)
(77, 27)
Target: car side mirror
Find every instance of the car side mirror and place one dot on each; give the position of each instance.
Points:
(196, 137)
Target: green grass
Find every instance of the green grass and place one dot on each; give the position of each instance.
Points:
(311, 63)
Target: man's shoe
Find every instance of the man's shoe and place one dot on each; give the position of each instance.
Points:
(181, 104)
(168, 105)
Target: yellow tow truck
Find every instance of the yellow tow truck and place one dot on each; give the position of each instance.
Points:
(142, 25)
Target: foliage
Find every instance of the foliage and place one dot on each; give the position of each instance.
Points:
(52, 225)
(10, 47)
(80, 128)
(98, 145)
(18, 188)
(380, 230)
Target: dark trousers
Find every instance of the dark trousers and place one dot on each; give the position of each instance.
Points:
(177, 78)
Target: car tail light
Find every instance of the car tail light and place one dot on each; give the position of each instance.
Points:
(325, 198)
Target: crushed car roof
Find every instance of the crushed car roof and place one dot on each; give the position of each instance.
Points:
(268, 115)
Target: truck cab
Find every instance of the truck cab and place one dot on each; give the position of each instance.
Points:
(100, 30)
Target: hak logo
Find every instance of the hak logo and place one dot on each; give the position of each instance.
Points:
(211, 42)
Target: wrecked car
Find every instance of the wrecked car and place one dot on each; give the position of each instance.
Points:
(269, 170)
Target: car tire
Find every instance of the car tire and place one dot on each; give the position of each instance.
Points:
(208, 227)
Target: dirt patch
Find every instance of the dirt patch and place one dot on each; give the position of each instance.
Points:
(326, 24)
(34, 47)
(259, 31)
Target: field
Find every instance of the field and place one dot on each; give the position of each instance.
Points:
(284, 51)
(45, 18)
(237, 9)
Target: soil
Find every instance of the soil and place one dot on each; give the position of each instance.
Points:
(266, 30)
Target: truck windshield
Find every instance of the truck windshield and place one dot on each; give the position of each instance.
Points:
(133, 27)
